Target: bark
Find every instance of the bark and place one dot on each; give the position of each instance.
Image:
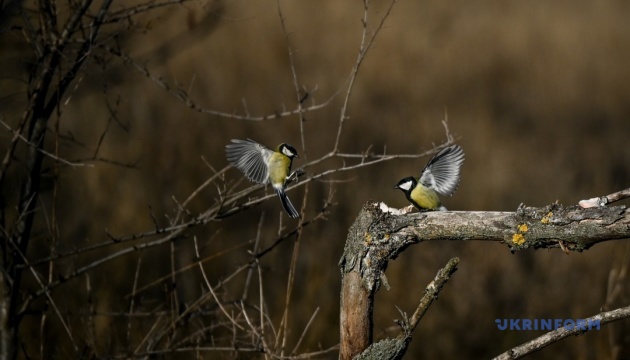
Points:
(377, 237)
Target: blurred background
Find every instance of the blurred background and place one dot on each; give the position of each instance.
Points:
(537, 93)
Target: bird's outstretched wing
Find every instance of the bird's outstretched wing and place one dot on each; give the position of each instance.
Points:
(442, 172)
(251, 158)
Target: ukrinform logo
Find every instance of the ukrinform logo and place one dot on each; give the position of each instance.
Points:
(547, 324)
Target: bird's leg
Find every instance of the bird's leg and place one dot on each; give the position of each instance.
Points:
(294, 175)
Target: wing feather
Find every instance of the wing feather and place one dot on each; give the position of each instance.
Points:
(443, 170)
(251, 158)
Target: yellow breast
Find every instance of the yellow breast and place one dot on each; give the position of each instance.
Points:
(279, 168)
(424, 197)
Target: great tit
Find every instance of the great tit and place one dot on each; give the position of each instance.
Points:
(440, 175)
(262, 165)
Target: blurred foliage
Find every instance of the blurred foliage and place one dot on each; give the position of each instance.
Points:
(537, 93)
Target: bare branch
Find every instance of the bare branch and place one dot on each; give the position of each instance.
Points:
(50, 299)
(605, 200)
(290, 282)
(578, 229)
(214, 295)
(128, 13)
(377, 237)
(299, 97)
(430, 294)
(184, 97)
(564, 332)
(50, 155)
(308, 325)
(366, 44)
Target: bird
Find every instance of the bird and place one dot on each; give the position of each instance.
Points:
(440, 175)
(263, 165)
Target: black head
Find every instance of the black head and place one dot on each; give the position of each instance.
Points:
(288, 150)
(407, 184)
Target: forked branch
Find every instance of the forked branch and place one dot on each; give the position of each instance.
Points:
(378, 236)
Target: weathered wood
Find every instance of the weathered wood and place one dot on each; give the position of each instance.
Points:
(395, 349)
(577, 228)
(357, 300)
(357, 305)
(378, 236)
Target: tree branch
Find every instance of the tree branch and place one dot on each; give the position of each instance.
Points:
(551, 226)
(378, 236)
(563, 332)
(395, 349)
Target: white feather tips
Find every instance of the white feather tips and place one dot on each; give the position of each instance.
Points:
(443, 170)
(251, 158)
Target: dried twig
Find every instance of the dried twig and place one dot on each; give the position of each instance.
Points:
(563, 332)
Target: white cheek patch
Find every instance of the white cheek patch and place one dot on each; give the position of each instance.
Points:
(287, 152)
(405, 186)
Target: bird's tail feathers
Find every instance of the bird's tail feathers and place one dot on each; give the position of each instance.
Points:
(286, 203)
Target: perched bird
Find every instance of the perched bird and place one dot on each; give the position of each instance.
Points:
(440, 175)
(262, 165)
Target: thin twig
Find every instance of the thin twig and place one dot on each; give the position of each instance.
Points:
(50, 299)
(261, 306)
(40, 149)
(133, 296)
(308, 325)
(563, 332)
(605, 200)
(254, 257)
(210, 288)
(296, 86)
(366, 44)
(183, 96)
(290, 282)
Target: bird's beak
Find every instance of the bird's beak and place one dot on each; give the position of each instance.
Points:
(396, 187)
